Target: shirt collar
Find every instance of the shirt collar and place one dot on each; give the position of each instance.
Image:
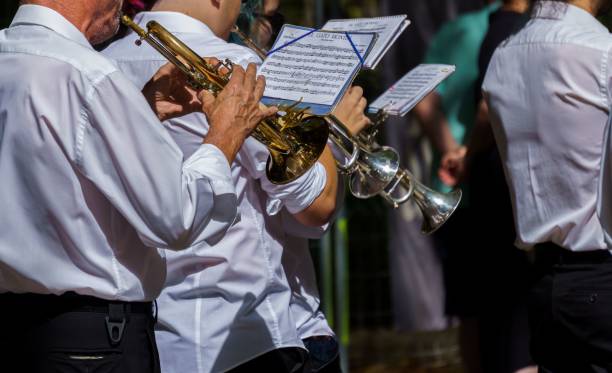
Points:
(569, 13)
(42, 16)
(175, 22)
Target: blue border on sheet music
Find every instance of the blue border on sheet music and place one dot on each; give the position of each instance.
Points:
(318, 109)
(348, 36)
(312, 31)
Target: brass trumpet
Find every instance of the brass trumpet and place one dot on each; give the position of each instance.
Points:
(295, 139)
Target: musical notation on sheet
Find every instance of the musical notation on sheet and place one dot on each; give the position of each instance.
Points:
(314, 67)
(400, 98)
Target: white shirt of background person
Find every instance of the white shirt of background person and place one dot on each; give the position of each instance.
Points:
(550, 135)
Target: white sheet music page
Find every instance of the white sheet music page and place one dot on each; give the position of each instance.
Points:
(388, 30)
(400, 98)
(313, 67)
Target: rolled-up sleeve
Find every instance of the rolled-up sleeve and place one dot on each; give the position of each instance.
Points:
(126, 152)
(210, 162)
(297, 195)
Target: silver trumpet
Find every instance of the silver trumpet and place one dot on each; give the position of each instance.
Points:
(375, 170)
(435, 207)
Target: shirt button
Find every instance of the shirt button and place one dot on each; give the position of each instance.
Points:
(593, 298)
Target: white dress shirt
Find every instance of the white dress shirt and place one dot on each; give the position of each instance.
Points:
(548, 89)
(91, 181)
(227, 303)
(299, 267)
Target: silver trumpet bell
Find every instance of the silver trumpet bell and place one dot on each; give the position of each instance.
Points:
(435, 207)
(376, 170)
(370, 170)
(381, 174)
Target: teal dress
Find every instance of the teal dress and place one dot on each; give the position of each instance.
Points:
(458, 43)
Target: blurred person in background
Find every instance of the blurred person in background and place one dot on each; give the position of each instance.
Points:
(267, 23)
(417, 286)
(503, 269)
(446, 116)
(548, 93)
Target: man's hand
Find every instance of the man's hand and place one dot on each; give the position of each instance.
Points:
(350, 110)
(169, 94)
(236, 111)
(452, 166)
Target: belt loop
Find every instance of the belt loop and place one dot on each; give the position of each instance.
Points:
(115, 322)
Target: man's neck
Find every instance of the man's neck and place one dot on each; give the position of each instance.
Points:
(73, 11)
(197, 11)
(517, 6)
(591, 6)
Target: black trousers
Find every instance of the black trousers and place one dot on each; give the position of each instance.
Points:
(570, 311)
(323, 355)
(74, 334)
(281, 360)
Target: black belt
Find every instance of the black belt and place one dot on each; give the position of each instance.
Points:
(69, 302)
(42, 305)
(550, 253)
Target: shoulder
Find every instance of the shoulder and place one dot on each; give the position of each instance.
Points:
(562, 35)
(213, 46)
(243, 54)
(68, 55)
(595, 40)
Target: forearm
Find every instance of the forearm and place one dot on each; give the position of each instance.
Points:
(229, 145)
(439, 134)
(434, 124)
(323, 207)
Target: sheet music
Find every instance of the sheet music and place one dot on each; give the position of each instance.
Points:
(400, 98)
(387, 28)
(316, 69)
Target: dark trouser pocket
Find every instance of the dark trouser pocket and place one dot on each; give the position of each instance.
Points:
(570, 319)
(323, 354)
(103, 361)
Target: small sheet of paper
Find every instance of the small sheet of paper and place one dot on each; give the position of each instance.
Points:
(400, 98)
(313, 67)
(388, 30)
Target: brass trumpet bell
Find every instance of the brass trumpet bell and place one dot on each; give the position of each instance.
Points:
(306, 141)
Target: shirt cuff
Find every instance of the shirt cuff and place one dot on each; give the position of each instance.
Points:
(299, 194)
(209, 162)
